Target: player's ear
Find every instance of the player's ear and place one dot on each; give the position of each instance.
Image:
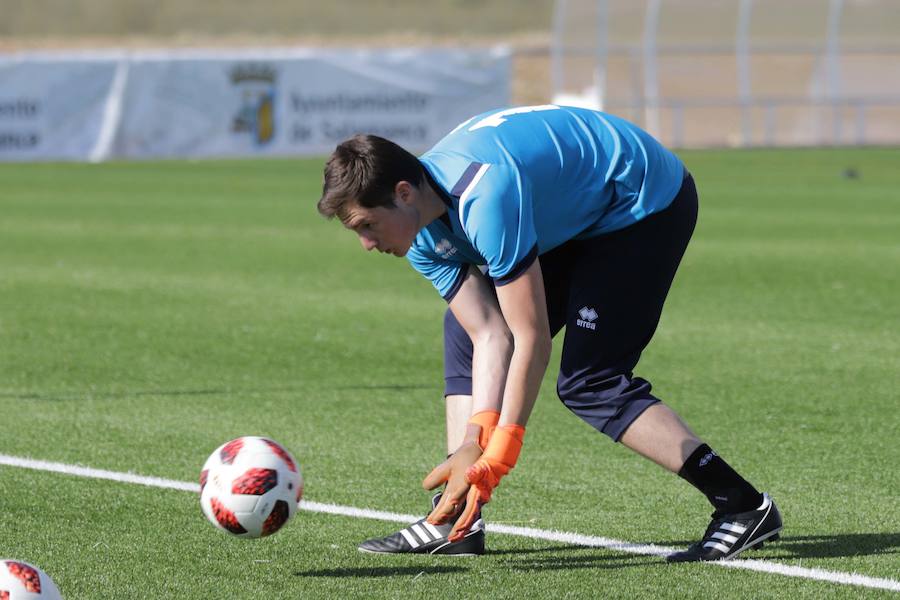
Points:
(403, 191)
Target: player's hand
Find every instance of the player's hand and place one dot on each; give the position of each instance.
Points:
(452, 472)
(498, 459)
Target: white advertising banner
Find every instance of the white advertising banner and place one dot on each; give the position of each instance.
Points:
(51, 108)
(235, 104)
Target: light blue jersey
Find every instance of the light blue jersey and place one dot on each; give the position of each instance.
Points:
(519, 182)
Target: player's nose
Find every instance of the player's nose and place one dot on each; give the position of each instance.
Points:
(368, 243)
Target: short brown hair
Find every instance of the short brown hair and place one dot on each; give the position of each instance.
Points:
(365, 169)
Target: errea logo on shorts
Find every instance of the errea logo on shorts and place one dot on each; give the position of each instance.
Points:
(588, 316)
(445, 248)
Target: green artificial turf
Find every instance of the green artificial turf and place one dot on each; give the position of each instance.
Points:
(151, 311)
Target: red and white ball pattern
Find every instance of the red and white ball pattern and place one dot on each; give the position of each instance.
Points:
(250, 487)
(21, 581)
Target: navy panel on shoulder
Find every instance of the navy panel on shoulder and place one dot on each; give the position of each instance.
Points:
(464, 181)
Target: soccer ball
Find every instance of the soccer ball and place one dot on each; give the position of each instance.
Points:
(21, 581)
(250, 487)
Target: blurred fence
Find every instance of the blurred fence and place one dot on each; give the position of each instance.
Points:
(735, 72)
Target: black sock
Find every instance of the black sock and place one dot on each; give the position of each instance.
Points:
(726, 490)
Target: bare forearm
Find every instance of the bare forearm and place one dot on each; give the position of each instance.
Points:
(490, 364)
(526, 371)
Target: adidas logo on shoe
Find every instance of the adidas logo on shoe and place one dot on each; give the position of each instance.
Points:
(422, 537)
(729, 535)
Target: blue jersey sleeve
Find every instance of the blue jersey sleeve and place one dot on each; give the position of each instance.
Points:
(446, 276)
(497, 216)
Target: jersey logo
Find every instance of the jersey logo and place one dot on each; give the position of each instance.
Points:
(445, 248)
(498, 118)
(588, 316)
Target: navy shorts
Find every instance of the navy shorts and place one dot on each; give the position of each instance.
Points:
(608, 292)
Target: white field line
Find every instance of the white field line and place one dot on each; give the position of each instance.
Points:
(542, 534)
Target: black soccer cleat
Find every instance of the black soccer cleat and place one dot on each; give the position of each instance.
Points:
(424, 538)
(729, 535)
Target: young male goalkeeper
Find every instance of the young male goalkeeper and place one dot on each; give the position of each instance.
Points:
(527, 220)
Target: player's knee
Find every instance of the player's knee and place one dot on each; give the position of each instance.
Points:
(608, 401)
(593, 386)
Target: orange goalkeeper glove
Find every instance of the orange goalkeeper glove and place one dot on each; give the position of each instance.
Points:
(453, 470)
(498, 459)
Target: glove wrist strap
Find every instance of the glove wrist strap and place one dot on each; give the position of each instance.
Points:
(505, 446)
(481, 427)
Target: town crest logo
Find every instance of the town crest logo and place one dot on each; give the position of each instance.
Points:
(256, 115)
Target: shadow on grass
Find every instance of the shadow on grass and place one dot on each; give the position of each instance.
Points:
(554, 548)
(824, 546)
(381, 571)
(64, 396)
(592, 560)
(571, 556)
(838, 545)
(56, 397)
(392, 387)
(560, 557)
